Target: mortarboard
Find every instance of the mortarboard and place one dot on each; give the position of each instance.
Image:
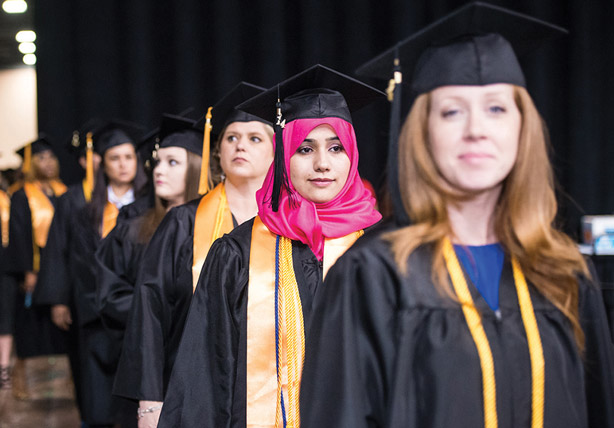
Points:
(41, 144)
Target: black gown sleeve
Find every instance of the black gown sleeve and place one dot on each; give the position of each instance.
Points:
(202, 384)
(598, 357)
(54, 286)
(116, 260)
(350, 345)
(20, 248)
(156, 310)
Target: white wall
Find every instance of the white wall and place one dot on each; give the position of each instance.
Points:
(18, 121)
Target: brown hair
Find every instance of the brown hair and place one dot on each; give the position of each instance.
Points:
(524, 214)
(155, 214)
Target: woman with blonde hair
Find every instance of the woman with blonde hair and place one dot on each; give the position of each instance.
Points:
(479, 313)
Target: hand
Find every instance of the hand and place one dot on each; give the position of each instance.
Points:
(60, 315)
(149, 420)
(29, 282)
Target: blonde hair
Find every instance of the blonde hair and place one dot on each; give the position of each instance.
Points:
(524, 214)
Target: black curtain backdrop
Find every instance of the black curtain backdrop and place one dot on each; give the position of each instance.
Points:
(135, 59)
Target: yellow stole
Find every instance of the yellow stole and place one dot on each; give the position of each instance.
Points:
(5, 214)
(109, 218)
(263, 390)
(42, 211)
(213, 219)
(474, 322)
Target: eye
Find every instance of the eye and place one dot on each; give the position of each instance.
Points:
(303, 150)
(231, 138)
(449, 113)
(337, 148)
(173, 162)
(255, 139)
(496, 109)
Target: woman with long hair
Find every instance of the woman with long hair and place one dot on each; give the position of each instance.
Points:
(32, 208)
(119, 179)
(479, 312)
(240, 359)
(177, 250)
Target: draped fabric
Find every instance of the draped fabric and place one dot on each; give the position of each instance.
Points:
(298, 218)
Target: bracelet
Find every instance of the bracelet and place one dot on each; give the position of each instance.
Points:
(140, 413)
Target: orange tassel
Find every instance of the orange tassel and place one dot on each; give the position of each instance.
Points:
(204, 185)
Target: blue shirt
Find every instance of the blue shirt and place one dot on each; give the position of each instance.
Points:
(483, 264)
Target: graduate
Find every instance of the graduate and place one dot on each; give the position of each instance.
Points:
(32, 208)
(478, 312)
(70, 281)
(178, 248)
(240, 359)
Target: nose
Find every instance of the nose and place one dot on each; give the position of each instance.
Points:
(474, 128)
(241, 142)
(321, 161)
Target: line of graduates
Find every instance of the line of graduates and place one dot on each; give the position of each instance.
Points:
(249, 282)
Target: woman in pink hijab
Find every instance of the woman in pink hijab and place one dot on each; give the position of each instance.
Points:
(241, 356)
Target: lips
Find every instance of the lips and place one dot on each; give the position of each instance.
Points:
(321, 182)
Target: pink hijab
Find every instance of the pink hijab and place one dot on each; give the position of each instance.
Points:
(351, 210)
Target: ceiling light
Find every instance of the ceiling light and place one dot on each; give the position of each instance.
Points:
(25, 36)
(27, 48)
(29, 59)
(14, 6)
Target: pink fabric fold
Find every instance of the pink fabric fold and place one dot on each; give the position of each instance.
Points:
(351, 210)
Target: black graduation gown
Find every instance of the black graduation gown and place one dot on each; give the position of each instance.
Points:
(71, 280)
(390, 351)
(34, 334)
(160, 304)
(118, 260)
(208, 385)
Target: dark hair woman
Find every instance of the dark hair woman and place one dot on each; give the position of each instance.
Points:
(83, 218)
(479, 313)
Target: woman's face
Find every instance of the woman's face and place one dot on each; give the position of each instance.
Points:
(45, 164)
(474, 133)
(246, 151)
(170, 174)
(120, 164)
(320, 166)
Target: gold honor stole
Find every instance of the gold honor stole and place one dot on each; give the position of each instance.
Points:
(265, 384)
(474, 322)
(213, 219)
(42, 211)
(109, 218)
(5, 214)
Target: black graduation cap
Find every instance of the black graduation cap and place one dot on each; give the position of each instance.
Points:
(224, 111)
(178, 131)
(113, 133)
(476, 44)
(317, 92)
(41, 144)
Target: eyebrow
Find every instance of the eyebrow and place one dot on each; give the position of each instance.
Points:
(311, 140)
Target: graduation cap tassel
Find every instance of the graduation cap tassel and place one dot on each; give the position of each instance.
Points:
(27, 159)
(204, 185)
(394, 96)
(89, 166)
(280, 167)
